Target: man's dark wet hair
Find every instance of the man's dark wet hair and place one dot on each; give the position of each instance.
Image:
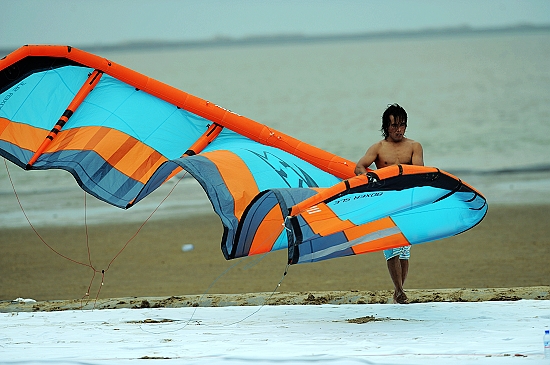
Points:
(399, 114)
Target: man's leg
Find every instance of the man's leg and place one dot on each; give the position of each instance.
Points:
(404, 270)
(398, 272)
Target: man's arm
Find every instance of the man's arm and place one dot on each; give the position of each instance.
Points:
(365, 161)
(418, 154)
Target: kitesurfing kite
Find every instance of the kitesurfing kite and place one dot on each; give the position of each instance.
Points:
(122, 134)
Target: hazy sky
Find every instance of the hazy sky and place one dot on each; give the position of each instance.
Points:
(81, 23)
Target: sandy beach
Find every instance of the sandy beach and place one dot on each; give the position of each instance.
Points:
(509, 249)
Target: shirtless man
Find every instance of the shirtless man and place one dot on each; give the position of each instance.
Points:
(394, 149)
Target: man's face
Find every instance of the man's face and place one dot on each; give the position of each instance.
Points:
(396, 129)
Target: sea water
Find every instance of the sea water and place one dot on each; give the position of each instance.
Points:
(479, 104)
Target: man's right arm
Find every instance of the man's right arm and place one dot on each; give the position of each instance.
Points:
(365, 161)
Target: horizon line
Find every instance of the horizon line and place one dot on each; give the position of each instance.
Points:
(295, 38)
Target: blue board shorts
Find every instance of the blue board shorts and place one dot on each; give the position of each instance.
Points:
(404, 253)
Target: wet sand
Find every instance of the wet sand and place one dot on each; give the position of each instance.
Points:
(509, 249)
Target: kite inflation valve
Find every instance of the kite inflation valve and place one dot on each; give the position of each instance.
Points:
(546, 340)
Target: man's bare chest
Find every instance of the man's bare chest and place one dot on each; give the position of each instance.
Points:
(395, 154)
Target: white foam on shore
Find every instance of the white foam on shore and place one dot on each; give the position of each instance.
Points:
(423, 333)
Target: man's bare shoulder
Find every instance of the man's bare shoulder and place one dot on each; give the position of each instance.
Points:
(410, 141)
(416, 146)
(378, 144)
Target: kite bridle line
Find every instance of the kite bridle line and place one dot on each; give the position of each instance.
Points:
(32, 226)
(104, 271)
(238, 262)
(134, 236)
(89, 264)
(197, 304)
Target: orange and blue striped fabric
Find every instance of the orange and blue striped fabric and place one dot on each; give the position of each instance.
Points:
(121, 135)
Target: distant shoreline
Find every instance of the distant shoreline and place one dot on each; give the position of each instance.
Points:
(280, 39)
